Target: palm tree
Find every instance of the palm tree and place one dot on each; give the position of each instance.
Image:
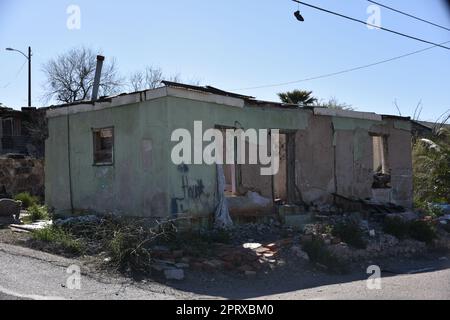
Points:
(431, 163)
(300, 97)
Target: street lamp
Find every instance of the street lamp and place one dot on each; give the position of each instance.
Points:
(28, 57)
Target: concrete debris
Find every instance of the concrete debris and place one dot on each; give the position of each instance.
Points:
(33, 226)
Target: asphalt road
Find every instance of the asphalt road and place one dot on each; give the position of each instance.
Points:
(30, 274)
(422, 286)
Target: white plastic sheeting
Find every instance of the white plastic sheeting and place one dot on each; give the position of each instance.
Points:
(222, 217)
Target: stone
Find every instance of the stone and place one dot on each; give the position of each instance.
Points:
(182, 265)
(306, 238)
(185, 259)
(252, 246)
(262, 250)
(245, 268)
(268, 254)
(336, 240)
(197, 265)
(372, 233)
(174, 274)
(213, 264)
(177, 254)
(298, 252)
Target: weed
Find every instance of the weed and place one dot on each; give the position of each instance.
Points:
(350, 233)
(397, 227)
(318, 252)
(27, 199)
(422, 231)
(38, 212)
(60, 238)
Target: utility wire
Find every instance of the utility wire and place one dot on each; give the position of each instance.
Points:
(15, 77)
(342, 71)
(409, 15)
(371, 25)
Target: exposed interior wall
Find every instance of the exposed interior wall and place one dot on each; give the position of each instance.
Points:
(202, 177)
(314, 160)
(400, 161)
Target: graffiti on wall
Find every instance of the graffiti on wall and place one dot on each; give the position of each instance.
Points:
(191, 190)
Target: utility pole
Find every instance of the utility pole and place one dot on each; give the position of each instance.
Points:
(29, 76)
(28, 57)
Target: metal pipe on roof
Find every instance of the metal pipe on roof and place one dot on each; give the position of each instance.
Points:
(98, 73)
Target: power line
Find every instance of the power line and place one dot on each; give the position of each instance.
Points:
(371, 25)
(409, 15)
(342, 71)
(15, 77)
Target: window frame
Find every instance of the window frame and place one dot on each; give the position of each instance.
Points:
(94, 144)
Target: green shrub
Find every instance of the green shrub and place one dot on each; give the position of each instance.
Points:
(319, 253)
(397, 227)
(27, 199)
(417, 230)
(350, 233)
(422, 231)
(60, 238)
(38, 212)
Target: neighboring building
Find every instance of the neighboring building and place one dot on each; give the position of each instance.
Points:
(16, 131)
(114, 155)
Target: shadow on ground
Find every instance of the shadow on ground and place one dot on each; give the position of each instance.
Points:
(289, 279)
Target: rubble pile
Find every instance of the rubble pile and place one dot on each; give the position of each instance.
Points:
(247, 259)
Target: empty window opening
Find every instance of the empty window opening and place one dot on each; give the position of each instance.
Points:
(103, 146)
(280, 187)
(381, 172)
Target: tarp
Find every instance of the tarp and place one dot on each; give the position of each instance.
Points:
(222, 217)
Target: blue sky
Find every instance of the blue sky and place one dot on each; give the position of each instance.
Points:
(237, 44)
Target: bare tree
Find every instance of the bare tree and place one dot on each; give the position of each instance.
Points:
(70, 76)
(151, 78)
(334, 103)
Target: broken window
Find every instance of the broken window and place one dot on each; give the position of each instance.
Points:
(381, 172)
(103, 146)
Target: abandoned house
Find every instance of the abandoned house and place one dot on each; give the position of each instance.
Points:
(114, 155)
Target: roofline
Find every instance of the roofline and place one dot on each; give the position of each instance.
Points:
(197, 93)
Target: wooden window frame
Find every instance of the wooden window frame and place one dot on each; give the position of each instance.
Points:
(94, 132)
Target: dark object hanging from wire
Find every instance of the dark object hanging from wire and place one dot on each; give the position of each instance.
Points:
(298, 16)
